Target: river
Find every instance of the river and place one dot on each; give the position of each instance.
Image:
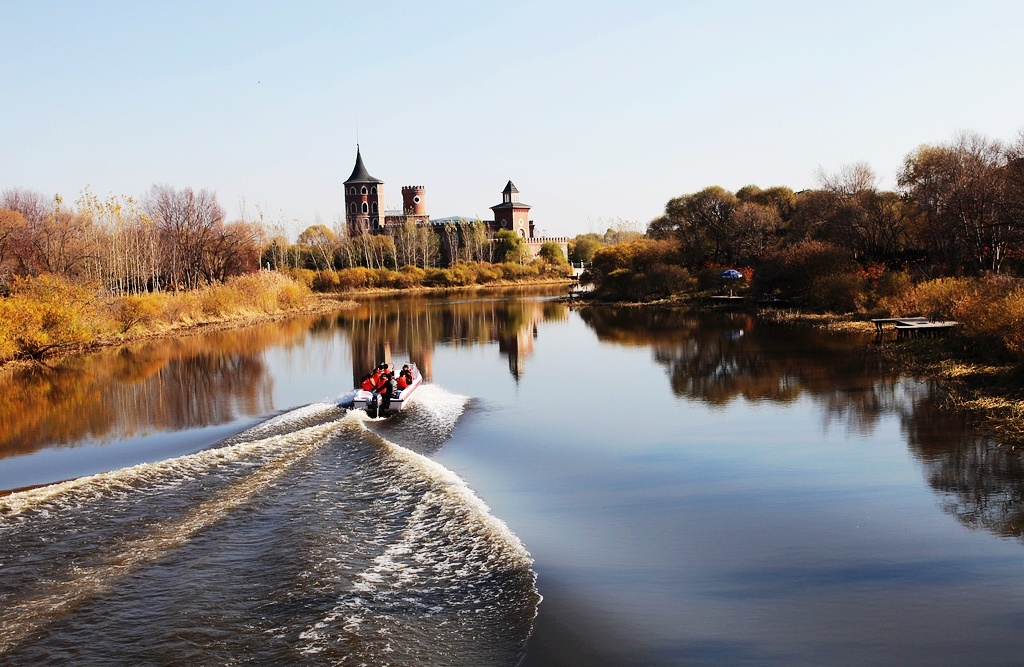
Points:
(592, 487)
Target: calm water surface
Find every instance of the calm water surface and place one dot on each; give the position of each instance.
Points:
(597, 487)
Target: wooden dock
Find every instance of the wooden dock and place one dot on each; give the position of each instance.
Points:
(910, 327)
(932, 329)
(882, 321)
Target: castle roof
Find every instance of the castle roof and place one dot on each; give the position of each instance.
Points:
(508, 200)
(359, 173)
(510, 204)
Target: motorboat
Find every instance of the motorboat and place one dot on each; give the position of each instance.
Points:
(372, 401)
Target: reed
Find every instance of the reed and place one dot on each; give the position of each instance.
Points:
(47, 315)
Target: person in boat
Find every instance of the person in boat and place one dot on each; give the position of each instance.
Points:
(377, 372)
(388, 388)
(366, 384)
(404, 377)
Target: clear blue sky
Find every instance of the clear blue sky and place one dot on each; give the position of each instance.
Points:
(596, 110)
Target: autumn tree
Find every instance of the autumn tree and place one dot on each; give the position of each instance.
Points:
(551, 253)
(478, 246)
(510, 247)
(583, 247)
(320, 243)
(702, 223)
(55, 239)
(129, 258)
(235, 251)
(960, 191)
(187, 222)
(12, 229)
(781, 198)
(756, 228)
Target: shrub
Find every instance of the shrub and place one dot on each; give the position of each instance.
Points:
(304, 276)
(938, 299)
(511, 271)
(667, 279)
(895, 294)
(434, 277)
(291, 295)
(639, 269)
(824, 274)
(325, 281)
(1011, 316)
(216, 301)
(837, 292)
(46, 314)
(409, 276)
(355, 278)
(488, 273)
(134, 310)
(464, 274)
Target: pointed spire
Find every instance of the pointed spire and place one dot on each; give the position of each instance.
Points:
(359, 173)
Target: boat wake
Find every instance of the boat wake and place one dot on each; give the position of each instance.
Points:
(310, 538)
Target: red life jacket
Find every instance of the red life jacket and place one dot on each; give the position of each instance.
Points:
(402, 382)
(367, 384)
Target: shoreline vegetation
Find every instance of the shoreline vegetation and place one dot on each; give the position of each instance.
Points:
(947, 244)
(977, 372)
(45, 318)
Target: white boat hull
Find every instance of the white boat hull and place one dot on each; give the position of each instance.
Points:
(399, 401)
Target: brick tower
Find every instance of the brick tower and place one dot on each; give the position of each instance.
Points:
(364, 200)
(512, 213)
(414, 203)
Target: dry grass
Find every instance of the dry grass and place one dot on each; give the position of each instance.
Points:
(238, 302)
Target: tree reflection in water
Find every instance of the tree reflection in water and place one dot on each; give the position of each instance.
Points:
(719, 358)
(174, 384)
(212, 379)
(979, 481)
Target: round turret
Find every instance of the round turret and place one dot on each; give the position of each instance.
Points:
(414, 200)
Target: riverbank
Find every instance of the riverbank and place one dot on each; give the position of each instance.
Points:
(989, 392)
(315, 304)
(199, 322)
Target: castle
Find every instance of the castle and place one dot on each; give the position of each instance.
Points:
(365, 212)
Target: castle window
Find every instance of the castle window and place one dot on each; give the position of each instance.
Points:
(374, 207)
(352, 191)
(363, 190)
(373, 190)
(352, 207)
(366, 207)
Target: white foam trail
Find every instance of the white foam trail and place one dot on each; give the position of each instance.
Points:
(444, 407)
(90, 488)
(23, 618)
(296, 416)
(449, 537)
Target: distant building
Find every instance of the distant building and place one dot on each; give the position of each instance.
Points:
(365, 212)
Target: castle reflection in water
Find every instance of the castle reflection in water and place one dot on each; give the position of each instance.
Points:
(381, 330)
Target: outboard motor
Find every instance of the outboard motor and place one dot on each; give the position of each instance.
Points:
(373, 406)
